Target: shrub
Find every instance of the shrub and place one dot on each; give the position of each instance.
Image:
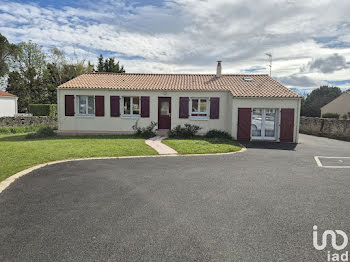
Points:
(345, 116)
(175, 132)
(214, 133)
(43, 109)
(184, 132)
(145, 132)
(19, 129)
(42, 132)
(331, 115)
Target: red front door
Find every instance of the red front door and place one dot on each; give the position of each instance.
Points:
(287, 125)
(164, 113)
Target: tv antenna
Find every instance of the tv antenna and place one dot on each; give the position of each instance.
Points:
(270, 60)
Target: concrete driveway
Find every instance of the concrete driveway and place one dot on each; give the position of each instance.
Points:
(260, 205)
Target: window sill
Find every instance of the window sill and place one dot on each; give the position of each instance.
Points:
(85, 116)
(199, 118)
(130, 116)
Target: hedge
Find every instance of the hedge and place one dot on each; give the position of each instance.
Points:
(43, 109)
(331, 115)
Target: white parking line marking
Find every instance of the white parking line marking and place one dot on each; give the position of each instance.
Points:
(319, 163)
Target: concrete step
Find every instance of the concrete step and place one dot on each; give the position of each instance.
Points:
(162, 132)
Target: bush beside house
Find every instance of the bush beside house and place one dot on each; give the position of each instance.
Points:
(187, 131)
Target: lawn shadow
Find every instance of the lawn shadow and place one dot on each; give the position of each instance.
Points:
(13, 137)
(224, 141)
(22, 137)
(269, 145)
(218, 140)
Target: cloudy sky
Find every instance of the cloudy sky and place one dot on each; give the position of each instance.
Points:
(309, 40)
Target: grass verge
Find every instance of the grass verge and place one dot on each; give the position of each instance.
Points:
(18, 153)
(202, 145)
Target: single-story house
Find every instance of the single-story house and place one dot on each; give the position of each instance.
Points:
(340, 105)
(8, 104)
(249, 107)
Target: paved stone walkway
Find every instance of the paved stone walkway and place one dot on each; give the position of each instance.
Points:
(162, 149)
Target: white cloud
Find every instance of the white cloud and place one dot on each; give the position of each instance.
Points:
(190, 35)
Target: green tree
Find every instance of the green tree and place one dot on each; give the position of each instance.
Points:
(51, 80)
(16, 85)
(26, 79)
(317, 99)
(109, 65)
(100, 65)
(59, 71)
(7, 53)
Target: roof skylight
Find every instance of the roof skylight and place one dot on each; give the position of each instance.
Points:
(248, 79)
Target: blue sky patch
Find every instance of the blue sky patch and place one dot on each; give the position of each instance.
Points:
(339, 82)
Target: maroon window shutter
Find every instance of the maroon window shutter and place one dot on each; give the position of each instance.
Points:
(214, 107)
(144, 106)
(99, 106)
(69, 105)
(244, 124)
(183, 107)
(287, 125)
(115, 106)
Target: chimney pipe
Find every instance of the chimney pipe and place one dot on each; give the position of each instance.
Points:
(218, 69)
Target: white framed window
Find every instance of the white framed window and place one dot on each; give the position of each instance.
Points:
(86, 105)
(131, 106)
(199, 108)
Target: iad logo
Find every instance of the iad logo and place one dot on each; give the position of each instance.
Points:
(334, 237)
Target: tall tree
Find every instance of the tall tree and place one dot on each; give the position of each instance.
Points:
(100, 65)
(109, 65)
(35, 75)
(7, 53)
(317, 99)
(59, 71)
(30, 62)
(16, 85)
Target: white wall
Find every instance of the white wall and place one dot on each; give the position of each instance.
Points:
(266, 103)
(8, 106)
(124, 125)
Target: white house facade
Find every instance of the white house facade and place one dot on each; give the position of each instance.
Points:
(249, 107)
(8, 104)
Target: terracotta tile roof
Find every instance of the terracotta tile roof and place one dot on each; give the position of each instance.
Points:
(3, 93)
(260, 86)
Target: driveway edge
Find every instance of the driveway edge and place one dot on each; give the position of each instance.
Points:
(8, 181)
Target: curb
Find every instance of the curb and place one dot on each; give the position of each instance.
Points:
(8, 181)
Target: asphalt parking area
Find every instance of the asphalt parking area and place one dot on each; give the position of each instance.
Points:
(260, 205)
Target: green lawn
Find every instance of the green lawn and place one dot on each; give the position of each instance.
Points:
(201, 145)
(18, 153)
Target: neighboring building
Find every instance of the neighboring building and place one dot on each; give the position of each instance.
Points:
(8, 104)
(340, 105)
(249, 107)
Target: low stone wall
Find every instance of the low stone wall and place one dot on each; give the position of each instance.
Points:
(327, 127)
(28, 121)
